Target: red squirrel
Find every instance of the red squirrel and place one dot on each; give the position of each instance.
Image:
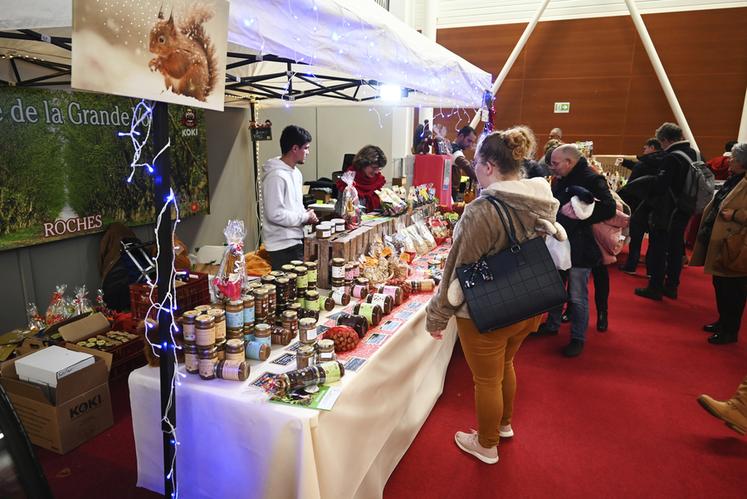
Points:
(185, 55)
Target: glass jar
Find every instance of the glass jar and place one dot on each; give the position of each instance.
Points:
(280, 336)
(191, 361)
(371, 312)
(338, 268)
(311, 274)
(207, 358)
(325, 351)
(256, 350)
(357, 322)
(292, 284)
(422, 285)
(394, 291)
(235, 370)
(340, 297)
(324, 231)
(248, 301)
(221, 348)
(235, 313)
(305, 356)
(307, 331)
(356, 270)
(312, 301)
(261, 304)
(188, 325)
(220, 323)
(302, 277)
(205, 330)
(262, 333)
(290, 322)
(359, 291)
(349, 272)
(386, 302)
(282, 292)
(271, 299)
(235, 333)
(267, 279)
(328, 303)
(235, 349)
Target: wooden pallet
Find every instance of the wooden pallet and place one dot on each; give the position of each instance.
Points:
(350, 245)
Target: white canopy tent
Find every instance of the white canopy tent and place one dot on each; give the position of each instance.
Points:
(300, 51)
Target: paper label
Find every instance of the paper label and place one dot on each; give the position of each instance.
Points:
(380, 300)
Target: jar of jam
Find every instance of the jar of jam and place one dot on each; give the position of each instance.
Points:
(340, 297)
(207, 358)
(191, 361)
(311, 274)
(248, 301)
(256, 350)
(360, 291)
(371, 312)
(235, 349)
(325, 351)
(357, 322)
(205, 330)
(328, 303)
(280, 336)
(338, 268)
(349, 287)
(261, 304)
(356, 270)
(305, 356)
(188, 325)
(394, 291)
(262, 333)
(307, 331)
(302, 277)
(235, 370)
(386, 302)
(220, 323)
(312, 301)
(349, 272)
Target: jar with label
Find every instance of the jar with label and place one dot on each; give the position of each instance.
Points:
(338, 268)
(202, 309)
(324, 231)
(305, 356)
(356, 270)
(329, 372)
(328, 303)
(267, 279)
(394, 291)
(290, 322)
(340, 297)
(280, 336)
(205, 330)
(386, 302)
(262, 333)
(357, 322)
(188, 325)
(235, 349)
(272, 299)
(302, 277)
(248, 334)
(349, 276)
(422, 285)
(307, 331)
(349, 287)
(207, 358)
(234, 370)
(191, 361)
(261, 304)
(235, 333)
(311, 274)
(292, 283)
(312, 301)
(339, 224)
(360, 291)
(371, 312)
(256, 350)
(220, 323)
(282, 292)
(248, 301)
(221, 348)
(287, 268)
(325, 351)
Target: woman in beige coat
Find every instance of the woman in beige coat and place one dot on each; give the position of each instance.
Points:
(724, 216)
(480, 232)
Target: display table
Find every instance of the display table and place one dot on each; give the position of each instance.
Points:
(233, 443)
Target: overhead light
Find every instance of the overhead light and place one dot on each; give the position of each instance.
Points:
(390, 93)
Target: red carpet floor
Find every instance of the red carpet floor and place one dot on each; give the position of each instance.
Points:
(619, 421)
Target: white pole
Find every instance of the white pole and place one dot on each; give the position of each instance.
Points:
(514, 55)
(430, 25)
(743, 124)
(660, 73)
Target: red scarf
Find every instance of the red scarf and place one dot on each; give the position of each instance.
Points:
(366, 187)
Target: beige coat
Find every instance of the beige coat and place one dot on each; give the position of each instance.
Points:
(480, 232)
(708, 256)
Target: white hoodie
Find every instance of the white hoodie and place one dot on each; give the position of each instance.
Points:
(284, 215)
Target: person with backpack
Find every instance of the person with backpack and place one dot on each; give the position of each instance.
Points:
(683, 187)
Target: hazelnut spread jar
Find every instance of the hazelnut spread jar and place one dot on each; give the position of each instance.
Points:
(219, 323)
(205, 330)
(261, 304)
(307, 331)
(191, 361)
(235, 370)
(188, 325)
(305, 356)
(207, 358)
(325, 351)
(235, 350)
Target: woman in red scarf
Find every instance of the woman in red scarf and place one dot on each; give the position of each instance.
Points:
(367, 166)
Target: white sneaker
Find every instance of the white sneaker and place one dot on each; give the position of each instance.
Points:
(505, 431)
(469, 444)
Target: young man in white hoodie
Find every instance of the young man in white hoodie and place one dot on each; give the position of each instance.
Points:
(284, 213)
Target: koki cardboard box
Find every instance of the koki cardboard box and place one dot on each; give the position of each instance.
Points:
(60, 419)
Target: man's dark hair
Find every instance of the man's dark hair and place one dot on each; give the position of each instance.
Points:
(293, 135)
(669, 132)
(729, 145)
(466, 131)
(654, 142)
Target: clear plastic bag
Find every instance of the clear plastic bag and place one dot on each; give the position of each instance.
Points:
(81, 303)
(231, 277)
(348, 206)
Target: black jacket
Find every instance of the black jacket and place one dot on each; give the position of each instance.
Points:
(535, 169)
(669, 184)
(584, 249)
(648, 165)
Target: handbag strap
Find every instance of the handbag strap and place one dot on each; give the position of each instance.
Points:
(508, 226)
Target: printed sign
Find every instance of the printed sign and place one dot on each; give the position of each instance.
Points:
(166, 51)
(562, 107)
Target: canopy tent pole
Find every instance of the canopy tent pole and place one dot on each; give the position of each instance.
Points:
(742, 137)
(660, 73)
(430, 26)
(257, 176)
(514, 55)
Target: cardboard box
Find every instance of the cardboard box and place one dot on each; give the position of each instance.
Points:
(61, 419)
(48, 365)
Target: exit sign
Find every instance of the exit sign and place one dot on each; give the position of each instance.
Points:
(562, 107)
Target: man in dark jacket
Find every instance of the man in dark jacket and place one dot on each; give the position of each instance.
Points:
(574, 176)
(648, 163)
(667, 223)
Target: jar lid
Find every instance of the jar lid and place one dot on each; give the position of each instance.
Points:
(247, 298)
(326, 344)
(190, 314)
(217, 312)
(310, 265)
(234, 344)
(306, 350)
(260, 291)
(307, 322)
(294, 306)
(290, 314)
(270, 287)
(296, 263)
(205, 319)
(261, 327)
(361, 280)
(300, 269)
(291, 275)
(338, 262)
(287, 267)
(202, 308)
(313, 294)
(282, 281)
(277, 273)
(268, 278)
(349, 266)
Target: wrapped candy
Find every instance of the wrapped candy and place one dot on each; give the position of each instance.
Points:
(349, 207)
(231, 277)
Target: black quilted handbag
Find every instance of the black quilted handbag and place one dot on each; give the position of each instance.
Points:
(512, 285)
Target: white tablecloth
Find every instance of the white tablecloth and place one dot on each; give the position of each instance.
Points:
(233, 443)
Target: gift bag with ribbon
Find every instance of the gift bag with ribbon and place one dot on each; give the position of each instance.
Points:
(231, 277)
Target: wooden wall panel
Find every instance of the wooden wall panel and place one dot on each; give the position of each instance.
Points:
(600, 67)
